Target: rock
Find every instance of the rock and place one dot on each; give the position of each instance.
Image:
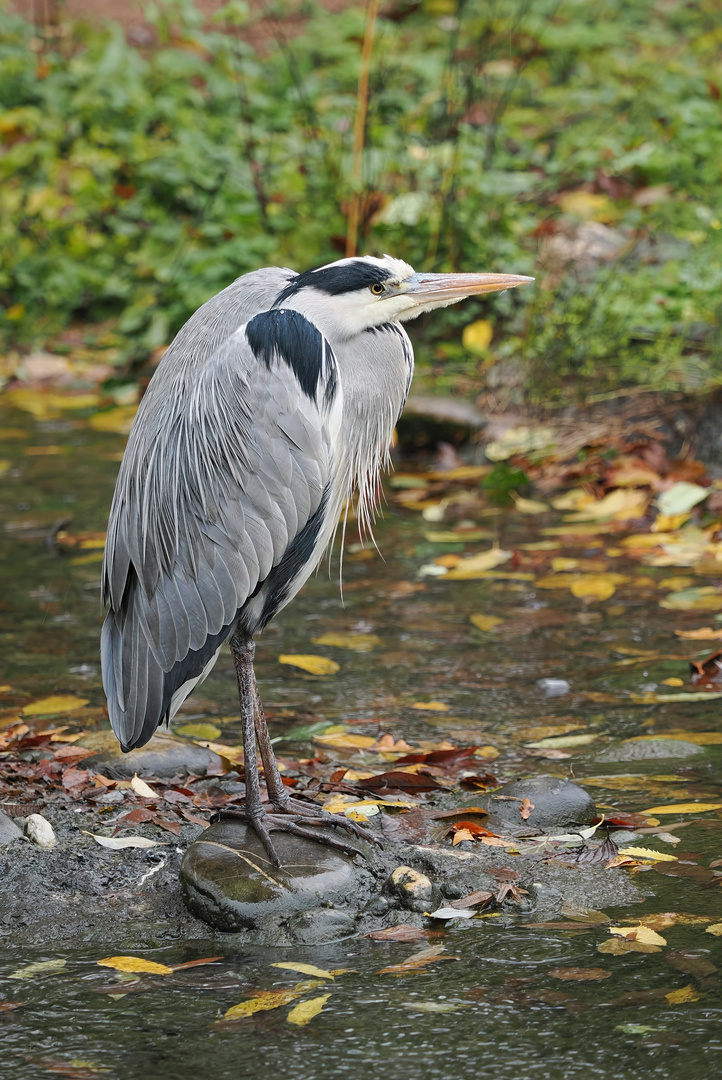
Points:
(230, 883)
(8, 830)
(413, 889)
(558, 803)
(650, 750)
(553, 687)
(428, 420)
(40, 831)
(165, 755)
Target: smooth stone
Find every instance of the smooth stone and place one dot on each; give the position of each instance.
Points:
(230, 883)
(650, 750)
(414, 889)
(8, 830)
(320, 925)
(165, 755)
(40, 831)
(558, 803)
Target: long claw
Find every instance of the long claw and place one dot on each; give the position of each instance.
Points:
(320, 816)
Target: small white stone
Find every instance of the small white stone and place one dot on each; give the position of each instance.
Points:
(40, 831)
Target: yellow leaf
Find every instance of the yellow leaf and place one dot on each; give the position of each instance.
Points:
(485, 622)
(528, 506)
(134, 963)
(59, 703)
(304, 969)
(269, 999)
(234, 754)
(594, 586)
(672, 682)
(488, 752)
(588, 206)
(699, 738)
(43, 967)
(640, 933)
(461, 472)
(475, 564)
(617, 947)
(141, 788)
(705, 598)
(562, 741)
(118, 421)
(620, 505)
(573, 500)
(715, 929)
(356, 642)
(684, 808)
(477, 336)
(430, 706)
(676, 584)
(199, 731)
(346, 742)
(314, 665)
(705, 633)
(302, 1014)
(681, 997)
(647, 853)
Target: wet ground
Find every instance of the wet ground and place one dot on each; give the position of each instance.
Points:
(536, 993)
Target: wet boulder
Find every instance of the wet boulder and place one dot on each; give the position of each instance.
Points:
(230, 883)
(650, 750)
(553, 803)
(164, 756)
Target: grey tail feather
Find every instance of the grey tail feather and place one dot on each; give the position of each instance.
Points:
(135, 718)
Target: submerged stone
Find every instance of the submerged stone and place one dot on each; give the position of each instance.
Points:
(558, 803)
(165, 755)
(650, 750)
(229, 882)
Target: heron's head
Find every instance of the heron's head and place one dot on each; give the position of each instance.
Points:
(345, 298)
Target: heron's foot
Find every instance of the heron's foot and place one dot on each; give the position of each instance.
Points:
(291, 821)
(316, 815)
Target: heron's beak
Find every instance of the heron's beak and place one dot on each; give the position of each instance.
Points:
(437, 290)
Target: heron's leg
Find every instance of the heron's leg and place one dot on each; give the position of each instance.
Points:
(278, 793)
(243, 651)
(287, 820)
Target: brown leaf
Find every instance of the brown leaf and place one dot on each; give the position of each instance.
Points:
(480, 898)
(418, 960)
(577, 974)
(526, 808)
(404, 933)
(197, 963)
(460, 811)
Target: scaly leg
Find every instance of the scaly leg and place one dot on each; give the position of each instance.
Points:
(288, 818)
(278, 793)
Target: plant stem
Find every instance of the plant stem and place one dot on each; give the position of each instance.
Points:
(359, 129)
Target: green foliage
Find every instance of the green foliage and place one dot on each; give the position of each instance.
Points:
(135, 183)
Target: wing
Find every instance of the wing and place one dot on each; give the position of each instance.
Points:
(218, 512)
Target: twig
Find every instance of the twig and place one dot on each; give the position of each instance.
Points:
(359, 129)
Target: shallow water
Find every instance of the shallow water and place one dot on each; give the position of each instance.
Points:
(497, 1009)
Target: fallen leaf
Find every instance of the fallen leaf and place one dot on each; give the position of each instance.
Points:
(705, 633)
(43, 967)
(355, 642)
(467, 569)
(594, 586)
(451, 913)
(141, 788)
(485, 622)
(134, 963)
(197, 963)
(304, 969)
(684, 808)
(702, 598)
(314, 665)
(345, 742)
(623, 504)
(404, 933)
(641, 933)
(525, 809)
(418, 960)
(59, 703)
(268, 999)
(647, 853)
(528, 506)
(715, 929)
(199, 731)
(617, 947)
(118, 421)
(303, 1014)
(577, 974)
(681, 497)
(117, 843)
(431, 706)
(681, 997)
(476, 336)
(460, 835)
(560, 741)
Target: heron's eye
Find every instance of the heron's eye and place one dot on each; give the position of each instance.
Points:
(377, 289)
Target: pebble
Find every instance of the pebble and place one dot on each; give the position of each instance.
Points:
(8, 830)
(40, 831)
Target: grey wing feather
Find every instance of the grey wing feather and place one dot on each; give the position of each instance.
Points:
(212, 494)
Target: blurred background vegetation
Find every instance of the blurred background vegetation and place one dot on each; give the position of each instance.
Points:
(578, 142)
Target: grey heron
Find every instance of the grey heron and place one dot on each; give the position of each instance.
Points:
(273, 404)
